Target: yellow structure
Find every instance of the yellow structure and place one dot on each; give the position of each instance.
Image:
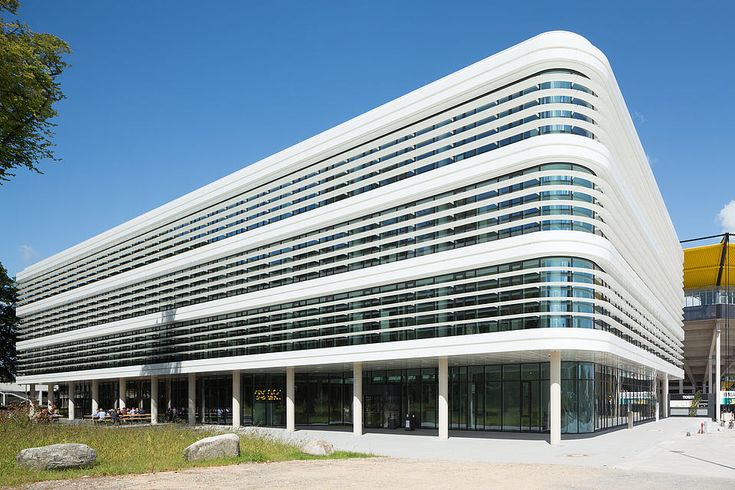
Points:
(709, 266)
(709, 311)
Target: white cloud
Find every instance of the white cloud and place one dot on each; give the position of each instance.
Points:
(28, 253)
(726, 217)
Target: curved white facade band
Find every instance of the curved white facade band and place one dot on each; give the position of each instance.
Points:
(498, 219)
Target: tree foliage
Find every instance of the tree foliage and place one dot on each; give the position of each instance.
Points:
(30, 64)
(8, 325)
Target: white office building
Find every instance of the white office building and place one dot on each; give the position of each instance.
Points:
(488, 252)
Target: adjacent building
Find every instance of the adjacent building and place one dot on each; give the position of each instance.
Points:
(11, 393)
(488, 252)
(709, 311)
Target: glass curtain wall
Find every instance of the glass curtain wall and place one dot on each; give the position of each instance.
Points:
(511, 397)
(638, 395)
(577, 400)
(216, 399)
(177, 399)
(515, 397)
(498, 397)
(324, 399)
(82, 399)
(388, 396)
(138, 394)
(108, 392)
(263, 399)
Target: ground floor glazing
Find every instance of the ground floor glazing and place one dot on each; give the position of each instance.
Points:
(480, 397)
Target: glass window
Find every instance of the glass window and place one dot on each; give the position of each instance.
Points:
(511, 405)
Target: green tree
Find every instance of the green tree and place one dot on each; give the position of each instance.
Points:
(30, 64)
(8, 324)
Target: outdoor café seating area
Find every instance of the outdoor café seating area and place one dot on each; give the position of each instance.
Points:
(119, 416)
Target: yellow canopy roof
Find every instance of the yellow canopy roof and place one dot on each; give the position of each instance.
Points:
(702, 266)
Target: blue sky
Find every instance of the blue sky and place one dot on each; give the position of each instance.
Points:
(166, 96)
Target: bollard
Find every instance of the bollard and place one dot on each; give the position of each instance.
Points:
(630, 420)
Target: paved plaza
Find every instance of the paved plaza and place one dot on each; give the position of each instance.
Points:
(661, 446)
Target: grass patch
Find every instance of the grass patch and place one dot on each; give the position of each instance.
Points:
(128, 450)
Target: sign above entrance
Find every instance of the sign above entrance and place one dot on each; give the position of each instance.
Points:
(268, 395)
(727, 397)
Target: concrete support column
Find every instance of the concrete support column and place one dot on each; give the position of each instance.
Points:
(32, 394)
(202, 416)
(290, 399)
(658, 390)
(50, 398)
(236, 396)
(681, 386)
(357, 425)
(192, 399)
(168, 393)
(555, 398)
(665, 395)
(443, 398)
(72, 391)
(154, 399)
(718, 374)
(121, 388)
(95, 395)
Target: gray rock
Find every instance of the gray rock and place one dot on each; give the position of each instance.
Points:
(57, 457)
(213, 447)
(317, 448)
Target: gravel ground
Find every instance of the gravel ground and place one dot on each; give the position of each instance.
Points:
(393, 473)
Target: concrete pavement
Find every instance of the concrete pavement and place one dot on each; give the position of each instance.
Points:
(659, 447)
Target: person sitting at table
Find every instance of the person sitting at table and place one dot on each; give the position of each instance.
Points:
(114, 416)
(101, 414)
(141, 411)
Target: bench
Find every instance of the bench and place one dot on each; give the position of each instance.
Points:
(131, 419)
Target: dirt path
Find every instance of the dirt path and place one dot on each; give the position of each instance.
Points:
(384, 473)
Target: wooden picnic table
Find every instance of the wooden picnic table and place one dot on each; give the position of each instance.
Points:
(123, 419)
(132, 418)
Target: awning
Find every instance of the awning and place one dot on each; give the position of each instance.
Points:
(709, 266)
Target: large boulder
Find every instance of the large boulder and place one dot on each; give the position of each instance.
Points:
(57, 457)
(213, 447)
(317, 448)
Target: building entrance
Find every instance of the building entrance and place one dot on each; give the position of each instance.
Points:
(391, 395)
(383, 407)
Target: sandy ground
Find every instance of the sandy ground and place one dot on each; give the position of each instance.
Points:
(393, 473)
